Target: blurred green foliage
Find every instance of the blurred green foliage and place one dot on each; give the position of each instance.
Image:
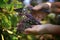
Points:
(9, 19)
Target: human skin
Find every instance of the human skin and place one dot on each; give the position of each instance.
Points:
(55, 7)
(44, 29)
(41, 29)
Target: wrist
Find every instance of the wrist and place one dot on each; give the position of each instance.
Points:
(45, 30)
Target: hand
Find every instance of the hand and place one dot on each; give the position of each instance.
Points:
(36, 29)
(37, 7)
(41, 29)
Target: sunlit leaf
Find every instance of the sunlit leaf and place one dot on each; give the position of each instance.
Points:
(10, 32)
(2, 37)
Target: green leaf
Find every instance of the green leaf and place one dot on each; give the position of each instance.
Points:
(13, 20)
(5, 1)
(5, 22)
(2, 3)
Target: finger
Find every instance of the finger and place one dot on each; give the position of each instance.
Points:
(37, 7)
(31, 30)
(34, 29)
(28, 31)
